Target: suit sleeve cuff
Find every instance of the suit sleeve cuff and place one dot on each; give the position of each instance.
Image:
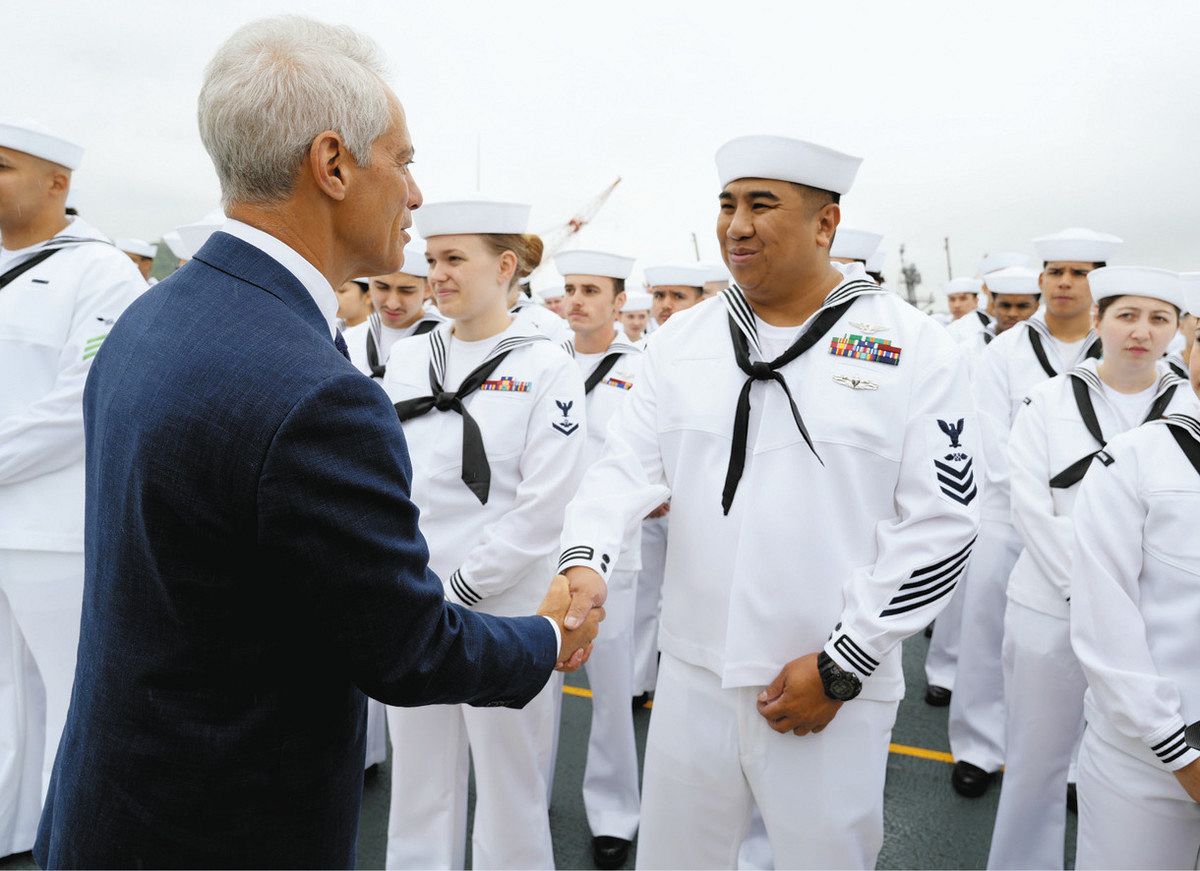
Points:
(557, 637)
(851, 654)
(1170, 747)
(584, 555)
(460, 592)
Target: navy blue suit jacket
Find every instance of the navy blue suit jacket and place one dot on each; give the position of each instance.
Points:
(253, 567)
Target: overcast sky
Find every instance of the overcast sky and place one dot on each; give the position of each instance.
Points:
(988, 123)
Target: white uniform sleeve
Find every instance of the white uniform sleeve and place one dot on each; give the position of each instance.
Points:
(1108, 632)
(624, 485)
(1047, 536)
(994, 406)
(550, 467)
(923, 551)
(47, 434)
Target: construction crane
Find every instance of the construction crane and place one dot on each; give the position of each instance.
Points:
(556, 237)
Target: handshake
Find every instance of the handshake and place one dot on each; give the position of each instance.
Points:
(575, 602)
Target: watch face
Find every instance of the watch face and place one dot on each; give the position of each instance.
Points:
(843, 687)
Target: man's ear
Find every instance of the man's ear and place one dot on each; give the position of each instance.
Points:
(330, 164)
(828, 217)
(60, 181)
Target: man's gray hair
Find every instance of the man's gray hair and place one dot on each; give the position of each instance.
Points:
(273, 87)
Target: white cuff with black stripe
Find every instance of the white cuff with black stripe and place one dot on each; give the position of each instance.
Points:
(583, 555)
(459, 590)
(852, 655)
(1172, 749)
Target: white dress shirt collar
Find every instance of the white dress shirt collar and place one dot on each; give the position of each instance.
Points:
(291, 260)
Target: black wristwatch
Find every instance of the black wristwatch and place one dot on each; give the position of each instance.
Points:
(840, 685)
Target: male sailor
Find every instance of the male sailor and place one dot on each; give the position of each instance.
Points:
(816, 437)
(963, 329)
(610, 365)
(1047, 344)
(554, 298)
(854, 246)
(1178, 358)
(62, 286)
(635, 313)
(522, 306)
(142, 254)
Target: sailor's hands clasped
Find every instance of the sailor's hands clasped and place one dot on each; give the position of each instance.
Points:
(575, 601)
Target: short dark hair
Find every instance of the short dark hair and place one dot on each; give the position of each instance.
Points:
(1106, 303)
(618, 286)
(364, 286)
(1095, 265)
(818, 194)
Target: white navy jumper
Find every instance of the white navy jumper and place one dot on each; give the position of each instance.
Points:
(610, 779)
(370, 343)
(843, 523)
(1020, 358)
(1065, 423)
(1135, 606)
(496, 434)
(967, 330)
(58, 301)
(543, 321)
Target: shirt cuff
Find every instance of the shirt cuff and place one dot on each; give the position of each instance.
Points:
(852, 655)
(459, 591)
(1170, 747)
(557, 637)
(583, 555)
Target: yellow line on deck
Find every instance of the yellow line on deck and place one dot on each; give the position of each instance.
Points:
(898, 749)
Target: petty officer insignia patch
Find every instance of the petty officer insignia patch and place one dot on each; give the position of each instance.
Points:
(955, 471)
(566, 426)
(864, 347)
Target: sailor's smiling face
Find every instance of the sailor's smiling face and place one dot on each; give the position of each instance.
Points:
(774, 232)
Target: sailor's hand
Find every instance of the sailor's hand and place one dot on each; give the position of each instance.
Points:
(577, 642)
(1189, 779)
(795, 701)
(588, 591)
(661, 511)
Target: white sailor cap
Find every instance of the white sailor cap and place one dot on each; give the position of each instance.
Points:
(1076, 244)
(715, 272)
(33, 137)
(876, 261)
(1191, 292)
(692, 275)
(456, 217)
(961, 285)
(1109, 281)
(175, 243)
(1002, 260)
(556, 291)
(638, 301)
(593, 263)
(855, 244)
(414, 260)
(139, 247)
(195, 234)
(1013, 279)
(794, 160)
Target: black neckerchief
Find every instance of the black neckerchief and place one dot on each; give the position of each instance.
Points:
(616, 350)
(984, 318)
(1186, 432)
(476, 471)
(1080, 379)
(744, 335)
(375, 331)
(1039, 351)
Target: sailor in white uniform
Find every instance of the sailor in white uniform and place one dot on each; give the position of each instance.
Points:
(1179, 352)
(1014, 296)
(875, 264)
(815, 434)
(965, 329)
(1050, 343)
(522, 306)
(493, 413)
(595, 291)
(397, 312)
(961, 296)
(142, 253)
(635, 316)
(1064, 423)
(553, 297)
(1135, 605)
(854, 246)
(62, 286)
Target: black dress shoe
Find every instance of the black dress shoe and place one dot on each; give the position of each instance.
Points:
(939, 697)
(970, 781)
(610, 852)
(638, 702)
(1072, 799)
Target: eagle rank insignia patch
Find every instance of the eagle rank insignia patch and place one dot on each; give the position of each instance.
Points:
(955, 469)
(865, 347)
(565, 424)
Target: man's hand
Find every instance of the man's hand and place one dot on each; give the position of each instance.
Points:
(576, 643)
(796, 701)
(1189, 779)
(588, 591)
(661, 511)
